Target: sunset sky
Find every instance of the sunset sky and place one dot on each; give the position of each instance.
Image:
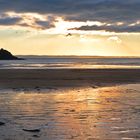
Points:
(70, 27)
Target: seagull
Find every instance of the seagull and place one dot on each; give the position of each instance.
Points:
(69, 34)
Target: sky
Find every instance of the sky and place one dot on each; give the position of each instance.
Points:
(70, 27)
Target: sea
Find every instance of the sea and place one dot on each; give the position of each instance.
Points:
(71, 62)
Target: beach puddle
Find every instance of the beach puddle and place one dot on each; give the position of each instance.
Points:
(108, 113)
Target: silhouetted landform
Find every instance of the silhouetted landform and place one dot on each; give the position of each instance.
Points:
(6, 55)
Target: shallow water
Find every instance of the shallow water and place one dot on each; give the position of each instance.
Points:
(55, 62)
(109, 113)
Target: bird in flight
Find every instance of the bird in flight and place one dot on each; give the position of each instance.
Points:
(69, 34)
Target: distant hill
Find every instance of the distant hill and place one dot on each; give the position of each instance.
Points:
(6, 55)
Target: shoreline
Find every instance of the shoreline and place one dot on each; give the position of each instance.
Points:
(53, 78)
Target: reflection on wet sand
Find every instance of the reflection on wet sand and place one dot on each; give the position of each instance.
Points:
(80, 114)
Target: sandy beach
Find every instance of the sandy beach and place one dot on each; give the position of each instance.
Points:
(69, 104)
(47, 78)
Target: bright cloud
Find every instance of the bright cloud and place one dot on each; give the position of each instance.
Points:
(115, 39)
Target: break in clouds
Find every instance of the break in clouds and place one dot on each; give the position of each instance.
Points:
(117, 15)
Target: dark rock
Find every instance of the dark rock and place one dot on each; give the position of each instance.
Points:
(6, 55)
(2, 123)
(36, 136)
(31, 130)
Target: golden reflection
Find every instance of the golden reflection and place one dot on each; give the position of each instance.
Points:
(77, 113)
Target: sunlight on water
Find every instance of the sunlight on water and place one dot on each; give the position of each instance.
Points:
(70, 62)
(78, 114)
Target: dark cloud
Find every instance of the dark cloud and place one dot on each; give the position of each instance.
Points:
(44, 24)
(101, 10)
(49, 23)
(111, 28)
(110, 11)
(39, 24)
(9, 20)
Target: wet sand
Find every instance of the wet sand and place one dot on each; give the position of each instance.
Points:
(105, 113)
(48, 78)
(76, 104)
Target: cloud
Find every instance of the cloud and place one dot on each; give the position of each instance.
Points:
(32, 20)
(115, 39)
(111, 28)
(86, 39)
(9, 20)
(49, 23)
(108, 11)
(100, 10)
